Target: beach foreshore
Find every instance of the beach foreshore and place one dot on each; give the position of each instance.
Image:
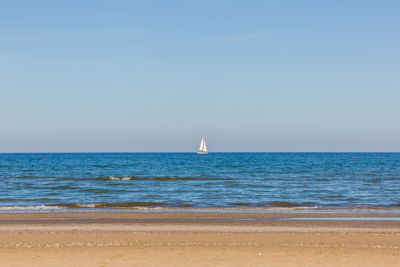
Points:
(199, 239)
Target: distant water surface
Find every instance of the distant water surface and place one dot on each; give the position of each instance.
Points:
(268, 180)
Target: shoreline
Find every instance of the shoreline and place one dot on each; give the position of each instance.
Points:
(207, 221)
(102, 207)
(197, 238)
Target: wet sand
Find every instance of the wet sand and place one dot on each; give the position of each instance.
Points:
(196, 239)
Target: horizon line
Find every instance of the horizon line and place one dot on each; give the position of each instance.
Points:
(194, 152)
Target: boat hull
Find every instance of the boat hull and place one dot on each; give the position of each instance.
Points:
(202, 152)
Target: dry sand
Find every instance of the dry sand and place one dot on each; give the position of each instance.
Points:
(195, 239)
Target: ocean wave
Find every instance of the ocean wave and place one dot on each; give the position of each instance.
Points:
(113, 178)
(130, 206)
(139, 205)
(284, 204)
(28, 199)
(156, 206)
(39, 207)
(273, 204)
(7, 199)
(160, 178)
(112, 205)
(130, 178)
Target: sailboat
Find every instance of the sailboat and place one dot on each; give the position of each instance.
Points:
(203, 147)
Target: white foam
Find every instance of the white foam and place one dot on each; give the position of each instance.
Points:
(88, 205)
(113, 178)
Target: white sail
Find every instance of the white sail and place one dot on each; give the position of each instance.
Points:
(201, 144)
(203, 147)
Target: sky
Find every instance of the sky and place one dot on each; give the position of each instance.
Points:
(156, 76)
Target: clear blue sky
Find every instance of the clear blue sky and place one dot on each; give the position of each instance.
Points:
(157, 75)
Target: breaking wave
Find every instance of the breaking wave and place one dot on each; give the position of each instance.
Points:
(161, 178)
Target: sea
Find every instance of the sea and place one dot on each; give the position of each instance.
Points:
(187, 181)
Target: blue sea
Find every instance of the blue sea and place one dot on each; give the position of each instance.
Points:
(187, 180)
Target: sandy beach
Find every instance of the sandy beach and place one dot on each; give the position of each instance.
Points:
(196, 239)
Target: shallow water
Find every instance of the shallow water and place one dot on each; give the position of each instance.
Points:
(259, 180)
